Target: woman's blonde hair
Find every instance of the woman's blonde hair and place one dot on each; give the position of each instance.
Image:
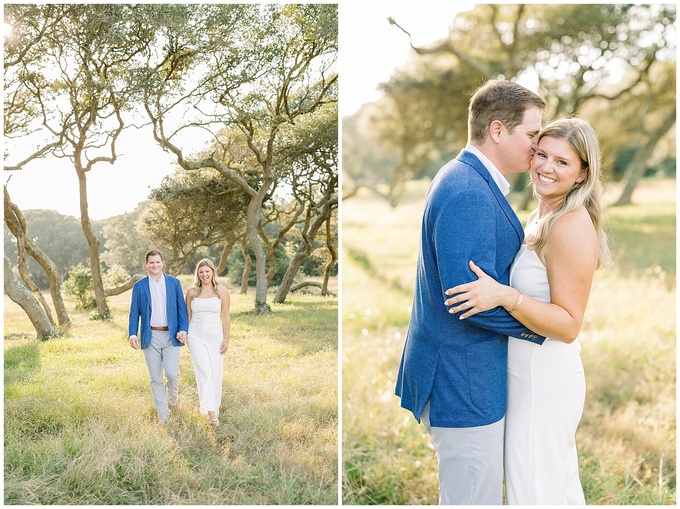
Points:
(198, 284)
(587, 193)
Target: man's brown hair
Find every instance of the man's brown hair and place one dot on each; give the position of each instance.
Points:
(152, 252)
(499, 100)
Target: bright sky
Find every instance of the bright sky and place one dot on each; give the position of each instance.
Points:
(52, 183)
(370, 49)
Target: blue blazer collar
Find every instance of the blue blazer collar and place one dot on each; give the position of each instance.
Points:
(472, 160)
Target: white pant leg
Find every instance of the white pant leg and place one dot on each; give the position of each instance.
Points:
(546, 395)
(217, 362)
(203, 370)
(470, 462)
(171, 356)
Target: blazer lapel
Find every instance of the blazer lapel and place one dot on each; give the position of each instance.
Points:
(472, 160)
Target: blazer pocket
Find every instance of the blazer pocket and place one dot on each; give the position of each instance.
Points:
(486, 373)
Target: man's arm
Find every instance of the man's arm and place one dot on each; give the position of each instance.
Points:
(465, 229)
(133, 324)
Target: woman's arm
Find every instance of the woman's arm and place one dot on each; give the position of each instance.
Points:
(570, 258)
(226, 320)
(187, 299)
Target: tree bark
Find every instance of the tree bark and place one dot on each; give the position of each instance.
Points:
(304, 284)
(22, 267)
(93, 243)
(123, 288)
(333, 260)
(247, 265)
(17, 292)
(14, 219)
(271, 271)
(254, 217)
(222, 265)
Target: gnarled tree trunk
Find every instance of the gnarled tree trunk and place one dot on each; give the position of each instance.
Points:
(247, 265)
(636, 168)
(14, 219)
(333, 260)
(93, 243)
(123, 288)
(308, 234)
(222, 265)
(17, 291)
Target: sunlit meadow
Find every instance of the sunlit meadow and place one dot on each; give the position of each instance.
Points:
(626, 439)
(81, 428)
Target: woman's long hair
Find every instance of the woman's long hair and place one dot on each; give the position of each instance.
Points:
(587, 193)
(198, 284)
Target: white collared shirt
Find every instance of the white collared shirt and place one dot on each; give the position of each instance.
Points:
(159, 312)
(496, 175)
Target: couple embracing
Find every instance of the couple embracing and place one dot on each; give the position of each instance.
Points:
(497, 308)
(168, 321)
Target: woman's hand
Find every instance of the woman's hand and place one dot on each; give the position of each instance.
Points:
(224, 346)
(476, 296)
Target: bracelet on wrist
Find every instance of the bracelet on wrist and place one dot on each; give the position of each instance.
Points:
(517, 304)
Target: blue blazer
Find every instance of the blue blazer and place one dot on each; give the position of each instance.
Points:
(459, 365)
(140, 308)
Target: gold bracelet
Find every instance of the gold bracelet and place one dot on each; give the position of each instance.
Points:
(519, 301)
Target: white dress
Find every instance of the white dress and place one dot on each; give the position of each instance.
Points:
(204, 340)
(545, 398)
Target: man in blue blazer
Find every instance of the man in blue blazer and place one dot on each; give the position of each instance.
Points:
(453, 372)
(158, 301)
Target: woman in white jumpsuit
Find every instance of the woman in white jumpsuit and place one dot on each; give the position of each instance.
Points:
(550, 283)
(208, 338)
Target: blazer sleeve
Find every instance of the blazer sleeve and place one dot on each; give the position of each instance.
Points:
(467, 231)
(133, 327)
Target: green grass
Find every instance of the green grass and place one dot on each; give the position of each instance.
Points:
(626, 439)
(81, 428)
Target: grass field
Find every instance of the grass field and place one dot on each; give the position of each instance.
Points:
(81, 428)
(626, 439)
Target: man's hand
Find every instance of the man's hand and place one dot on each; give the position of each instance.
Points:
(134, 342)
(182, 336)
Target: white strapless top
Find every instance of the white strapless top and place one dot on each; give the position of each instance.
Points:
(529, 275)
(206, 309)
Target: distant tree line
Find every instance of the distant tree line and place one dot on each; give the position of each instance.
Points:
(62, 239)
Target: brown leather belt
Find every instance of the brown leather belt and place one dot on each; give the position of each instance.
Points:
(159, 328)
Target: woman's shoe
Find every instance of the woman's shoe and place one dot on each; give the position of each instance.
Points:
(215, 423)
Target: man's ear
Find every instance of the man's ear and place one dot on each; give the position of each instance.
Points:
(496, 128)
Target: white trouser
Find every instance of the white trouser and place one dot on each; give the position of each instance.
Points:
(161, 355)
(470, 462)
(204, 346)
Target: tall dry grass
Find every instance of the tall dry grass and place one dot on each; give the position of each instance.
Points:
(81, 428)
